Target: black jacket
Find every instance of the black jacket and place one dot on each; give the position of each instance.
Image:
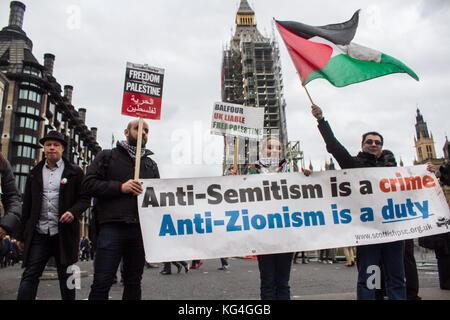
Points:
(71, 198)
(343, 157)
(104, 176)
(440, 243)
(442, 249)
(10, 201)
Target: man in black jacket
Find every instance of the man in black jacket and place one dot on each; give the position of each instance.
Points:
(390, 254)
(110, 180)
(53, 203)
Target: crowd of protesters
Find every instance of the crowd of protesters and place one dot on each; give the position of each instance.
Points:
(9, 252)
(45, 221)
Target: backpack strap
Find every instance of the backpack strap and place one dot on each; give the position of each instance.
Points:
(104, 166)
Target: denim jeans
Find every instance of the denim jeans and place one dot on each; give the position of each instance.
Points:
(42, 247)
(118, 241)
(275, 270)
(391, 255)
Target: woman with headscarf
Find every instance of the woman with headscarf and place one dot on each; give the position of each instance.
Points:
(274, 269)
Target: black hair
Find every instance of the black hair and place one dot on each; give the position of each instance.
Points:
(372, 133)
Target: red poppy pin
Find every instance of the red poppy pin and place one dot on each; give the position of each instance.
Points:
(64, 181)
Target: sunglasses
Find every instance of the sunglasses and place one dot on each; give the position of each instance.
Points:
(370, 142)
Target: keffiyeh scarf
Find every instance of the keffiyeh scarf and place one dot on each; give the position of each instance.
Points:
(269, 165)
(131, 149)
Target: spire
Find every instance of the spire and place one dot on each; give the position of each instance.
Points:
(245, 15)
(332, 166)
(246, 25)
(244, 8)
(446, 149)
(421, 126)
(424, 143)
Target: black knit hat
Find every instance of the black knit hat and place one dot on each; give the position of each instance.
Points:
(54, 135)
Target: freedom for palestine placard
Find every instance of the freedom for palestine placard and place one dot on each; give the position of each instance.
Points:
(143, 89)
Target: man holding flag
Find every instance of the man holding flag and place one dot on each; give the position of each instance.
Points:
(389, 254)
(328, 52)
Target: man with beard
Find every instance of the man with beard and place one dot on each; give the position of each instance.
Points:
(110, 180)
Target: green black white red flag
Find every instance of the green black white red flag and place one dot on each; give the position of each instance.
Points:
(328, 52)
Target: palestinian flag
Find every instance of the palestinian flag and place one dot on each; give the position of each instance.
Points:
(327, 52)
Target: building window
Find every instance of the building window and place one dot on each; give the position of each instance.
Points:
(21, 168)
(51, 107)
(28, 123)
(29, 110)
(31, 84)
(30, 95)
(21, 181)
(429, 152)
(26, 152)
(33, 71)
(25, 138)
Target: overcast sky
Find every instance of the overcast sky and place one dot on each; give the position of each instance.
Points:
(93, 40)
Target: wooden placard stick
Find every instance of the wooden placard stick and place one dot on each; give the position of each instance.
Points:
(236, 150)
(137, 166)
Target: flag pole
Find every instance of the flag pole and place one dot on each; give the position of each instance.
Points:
(312, 103)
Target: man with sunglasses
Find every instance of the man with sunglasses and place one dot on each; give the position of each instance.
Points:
(389, 255)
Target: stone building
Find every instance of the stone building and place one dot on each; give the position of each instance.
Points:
(32, 103)
(425, 150)
(251, 76)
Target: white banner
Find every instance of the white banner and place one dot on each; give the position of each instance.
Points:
(237, 120)
(205, 218)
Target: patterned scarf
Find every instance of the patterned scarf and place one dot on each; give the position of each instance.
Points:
(131, 149)
(269, 165)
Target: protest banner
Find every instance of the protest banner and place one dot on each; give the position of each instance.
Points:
(205, 218)
(238, 121)
(142, 97)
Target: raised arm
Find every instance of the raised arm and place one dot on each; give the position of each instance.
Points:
(333, 146)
